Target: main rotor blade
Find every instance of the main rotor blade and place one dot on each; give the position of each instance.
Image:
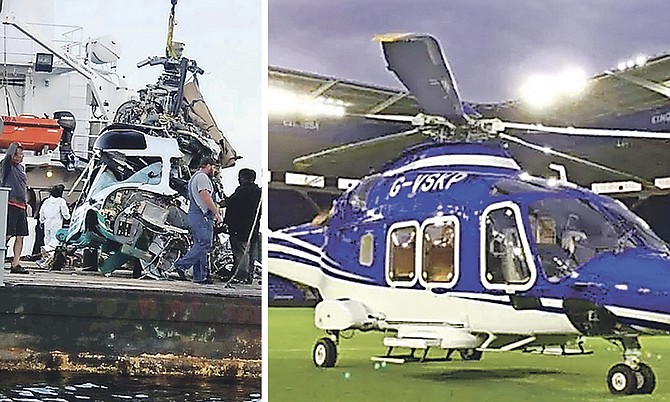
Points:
(593, 132)
(357, 146)
(576, 159)
(387, 117)
(418, 62)
(419, 120)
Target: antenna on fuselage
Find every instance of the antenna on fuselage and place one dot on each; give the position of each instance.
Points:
(560, 169)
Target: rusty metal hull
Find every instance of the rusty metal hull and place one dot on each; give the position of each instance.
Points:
(88, 323)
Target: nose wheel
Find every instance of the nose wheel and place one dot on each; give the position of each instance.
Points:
(631, 376)
(324, 353)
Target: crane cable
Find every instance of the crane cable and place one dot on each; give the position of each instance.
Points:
(4, 75)
(5, 81)
(169, 48)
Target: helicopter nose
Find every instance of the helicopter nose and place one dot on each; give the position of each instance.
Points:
(631, 285)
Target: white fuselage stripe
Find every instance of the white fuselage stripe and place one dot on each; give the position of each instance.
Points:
(400, 305)
(639, 314)
(294, 252)
(318, 260)
(553, 303)
(455, 160)
(294, 240)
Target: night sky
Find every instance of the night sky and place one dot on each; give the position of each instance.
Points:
(492, 46)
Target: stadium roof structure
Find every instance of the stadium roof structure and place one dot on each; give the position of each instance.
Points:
(612, 99)
(611, 93)
(360, 98)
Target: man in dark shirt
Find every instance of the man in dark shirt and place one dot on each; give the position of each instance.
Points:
(14, 177)
(242, 218)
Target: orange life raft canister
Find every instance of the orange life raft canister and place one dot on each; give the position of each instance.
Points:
(33, 132)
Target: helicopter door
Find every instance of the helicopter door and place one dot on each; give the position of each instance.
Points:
(506, 261)
(401, 254)
(439, 252)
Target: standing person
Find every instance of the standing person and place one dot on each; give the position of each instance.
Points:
(53, 212)
(14, 177)
(202, 212)
(242, 218)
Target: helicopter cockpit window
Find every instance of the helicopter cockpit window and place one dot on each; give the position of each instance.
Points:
(630, 222)
(401, 254)
(147, 170)
(579, 233)
(359, 195)
(439, 250)
(506, 258)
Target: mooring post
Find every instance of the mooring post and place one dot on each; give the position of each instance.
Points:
(4, 197)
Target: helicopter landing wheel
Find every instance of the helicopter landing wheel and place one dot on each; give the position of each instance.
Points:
(632, 376)
(646, 380)
(324, 353)
(470, 354)
(621, 380)
(624, 380)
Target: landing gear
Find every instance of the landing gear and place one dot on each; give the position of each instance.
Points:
(631, 376)
(470, 354)
(621, 380)
(648, 383)
(325, 353)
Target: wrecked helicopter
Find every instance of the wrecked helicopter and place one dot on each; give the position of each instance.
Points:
(132, 208)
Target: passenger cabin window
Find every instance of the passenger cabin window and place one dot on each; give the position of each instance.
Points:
(506, 258)
(439, 251)
(402, 254)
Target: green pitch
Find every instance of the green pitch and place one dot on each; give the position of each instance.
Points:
(512, 376)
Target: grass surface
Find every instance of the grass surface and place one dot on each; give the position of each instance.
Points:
(512, 376)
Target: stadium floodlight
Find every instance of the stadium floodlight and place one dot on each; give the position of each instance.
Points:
(572, 81)
(284, 102)
(540, 91)
(641, 60)
(637, 61)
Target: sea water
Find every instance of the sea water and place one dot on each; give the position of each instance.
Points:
(31, 387)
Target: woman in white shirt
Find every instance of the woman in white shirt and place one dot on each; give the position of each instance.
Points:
(54, 210)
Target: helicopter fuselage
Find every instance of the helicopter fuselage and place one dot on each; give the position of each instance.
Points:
(458, 235)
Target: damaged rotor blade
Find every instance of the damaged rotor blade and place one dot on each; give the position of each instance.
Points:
(572, 158)
(355, 146)
(201, 116)
(593, 132)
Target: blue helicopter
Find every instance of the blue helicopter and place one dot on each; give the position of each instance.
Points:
(453, 246)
